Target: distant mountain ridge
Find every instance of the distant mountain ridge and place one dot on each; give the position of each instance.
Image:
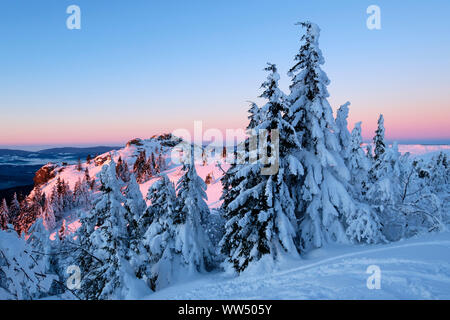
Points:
(17, 167)
(52, 151)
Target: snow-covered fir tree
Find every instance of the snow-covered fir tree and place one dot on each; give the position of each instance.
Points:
(23, 275)
(39, 241)
(134, 202)
(439, 181)
(48, 215)
(39, 237)
(161, 162)
(378, 139)
(358, 162)
(254, 116)
(162, 261)
(31, 208)
(135, 207)
(258, 207)
(14, 209)
(151, 165)
(140, 167)
(4, 215)
(344, 135)
(103, 242)
(192, 242)
(244, 199)
(439, 173)
(384, 190)
(81, 194)
(61, 199)
(363, 224)
(324, 201)
(122, 170)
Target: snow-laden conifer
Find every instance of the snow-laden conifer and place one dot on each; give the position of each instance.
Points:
(324, 201)
(258, 207)
(103, 242)
(23, 274)
(161, 262)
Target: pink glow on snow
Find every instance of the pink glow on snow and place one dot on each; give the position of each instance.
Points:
(420, 149)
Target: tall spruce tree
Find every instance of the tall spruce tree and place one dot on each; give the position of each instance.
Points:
(378, 139)
(81, 194)
(4, 215)
(14, 209)
(363, 224)
(39, 240)
(140, 167)
(122, 170)
(344, 136)
(324, 201)
(193, 244)
(23, 274)
(384, 190)
(259, 209)
(162, 262)
(358, 163)
(135, 207)
(254, 116)
(103, 242)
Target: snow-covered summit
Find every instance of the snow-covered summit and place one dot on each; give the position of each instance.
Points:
(163, 144)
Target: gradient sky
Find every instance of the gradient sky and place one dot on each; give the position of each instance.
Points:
(137, 68)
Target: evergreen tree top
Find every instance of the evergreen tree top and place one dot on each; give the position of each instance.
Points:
(271, 90)
(356, 135)
(306, 73)
(254, 117)
(378, 139)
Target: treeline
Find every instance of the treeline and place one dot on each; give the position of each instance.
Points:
(120, 237)
(22, 214)
(145, 168)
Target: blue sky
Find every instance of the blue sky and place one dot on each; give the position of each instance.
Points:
(137, 68)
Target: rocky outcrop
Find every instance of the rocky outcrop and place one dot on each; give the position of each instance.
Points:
(44, 174)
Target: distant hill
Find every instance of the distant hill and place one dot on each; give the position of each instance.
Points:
(17, 167)
(11, 152)
(72, 150)
(53, 151)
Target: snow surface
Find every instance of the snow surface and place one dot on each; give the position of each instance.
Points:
(417, 268)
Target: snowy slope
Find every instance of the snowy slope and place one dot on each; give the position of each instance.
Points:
(412, 269)
(129, 154)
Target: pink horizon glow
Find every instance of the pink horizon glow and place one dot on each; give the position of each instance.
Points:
(404, 122)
